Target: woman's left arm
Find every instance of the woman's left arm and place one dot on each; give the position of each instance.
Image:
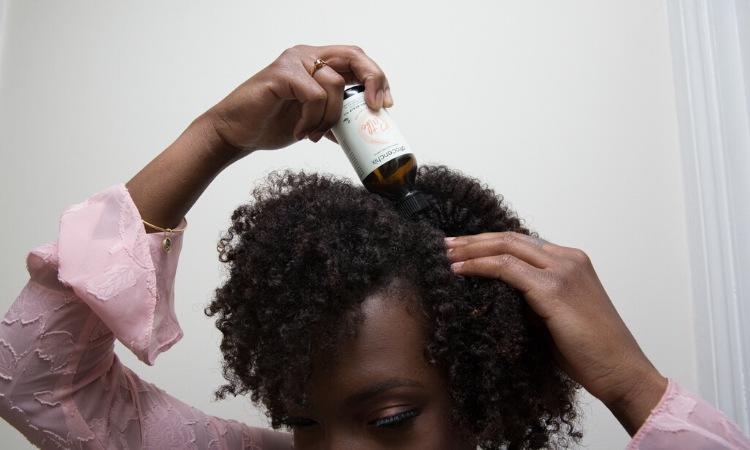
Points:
(592, 343)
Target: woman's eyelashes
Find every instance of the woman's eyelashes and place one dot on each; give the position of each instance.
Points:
(391, 421)
(298, 422)
(395, 420)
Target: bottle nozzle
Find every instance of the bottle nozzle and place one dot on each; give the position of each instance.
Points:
(412, 203)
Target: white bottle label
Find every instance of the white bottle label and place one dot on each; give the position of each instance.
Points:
(369, 138)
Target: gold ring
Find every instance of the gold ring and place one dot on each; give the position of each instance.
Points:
(318, 64)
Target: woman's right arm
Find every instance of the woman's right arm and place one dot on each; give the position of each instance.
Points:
(60, 382)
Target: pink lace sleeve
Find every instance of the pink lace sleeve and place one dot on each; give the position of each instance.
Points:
(682, 420)
(61, 384)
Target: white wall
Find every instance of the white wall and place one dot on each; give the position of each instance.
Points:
(3, 8)
(566, 108)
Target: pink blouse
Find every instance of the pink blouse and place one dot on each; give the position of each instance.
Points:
(62, 385)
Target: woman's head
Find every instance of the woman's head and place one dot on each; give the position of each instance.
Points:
(345, 321)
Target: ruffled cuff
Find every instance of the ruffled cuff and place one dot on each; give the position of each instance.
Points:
(683, 420)
(668, 395)
(121, 272)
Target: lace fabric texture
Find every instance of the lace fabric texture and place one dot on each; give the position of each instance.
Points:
(62, 385)
(682, 420)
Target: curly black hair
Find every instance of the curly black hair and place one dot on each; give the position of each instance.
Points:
(309, 247)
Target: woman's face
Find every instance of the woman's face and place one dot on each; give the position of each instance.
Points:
(380, 392)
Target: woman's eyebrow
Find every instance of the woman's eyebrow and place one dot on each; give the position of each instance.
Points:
(379, 388)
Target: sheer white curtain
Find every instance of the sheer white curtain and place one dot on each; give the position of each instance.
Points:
(711, 54)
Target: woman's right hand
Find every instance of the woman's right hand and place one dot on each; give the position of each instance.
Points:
(283, 103)
(277, 106)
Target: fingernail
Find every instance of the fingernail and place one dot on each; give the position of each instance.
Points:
(457, 265)
(450, 238)
(388, 98)
(379, 98)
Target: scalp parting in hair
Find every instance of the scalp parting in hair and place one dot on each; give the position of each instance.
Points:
(308, 247)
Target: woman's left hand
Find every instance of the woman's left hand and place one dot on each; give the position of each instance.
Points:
(592, 343)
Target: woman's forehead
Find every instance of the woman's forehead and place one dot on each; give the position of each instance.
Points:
(388, 345)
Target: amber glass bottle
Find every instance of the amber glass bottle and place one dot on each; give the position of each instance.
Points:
(379, 153)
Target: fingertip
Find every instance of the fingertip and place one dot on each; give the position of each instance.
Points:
(299, 134)
(388, 102)
(451, 242)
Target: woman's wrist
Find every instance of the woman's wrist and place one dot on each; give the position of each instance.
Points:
(166, 188)
(210, 124)
(633, 406)
(207, 139)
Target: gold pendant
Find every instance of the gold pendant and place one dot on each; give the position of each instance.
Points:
(166, 244)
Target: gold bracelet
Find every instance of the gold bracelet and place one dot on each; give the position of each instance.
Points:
(166, 244)
(170, 230)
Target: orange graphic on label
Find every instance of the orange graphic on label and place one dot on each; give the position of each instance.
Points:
(371, 128)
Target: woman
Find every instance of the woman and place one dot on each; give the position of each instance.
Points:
(355, 327)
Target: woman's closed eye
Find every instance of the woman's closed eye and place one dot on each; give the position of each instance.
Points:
(395, 420)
